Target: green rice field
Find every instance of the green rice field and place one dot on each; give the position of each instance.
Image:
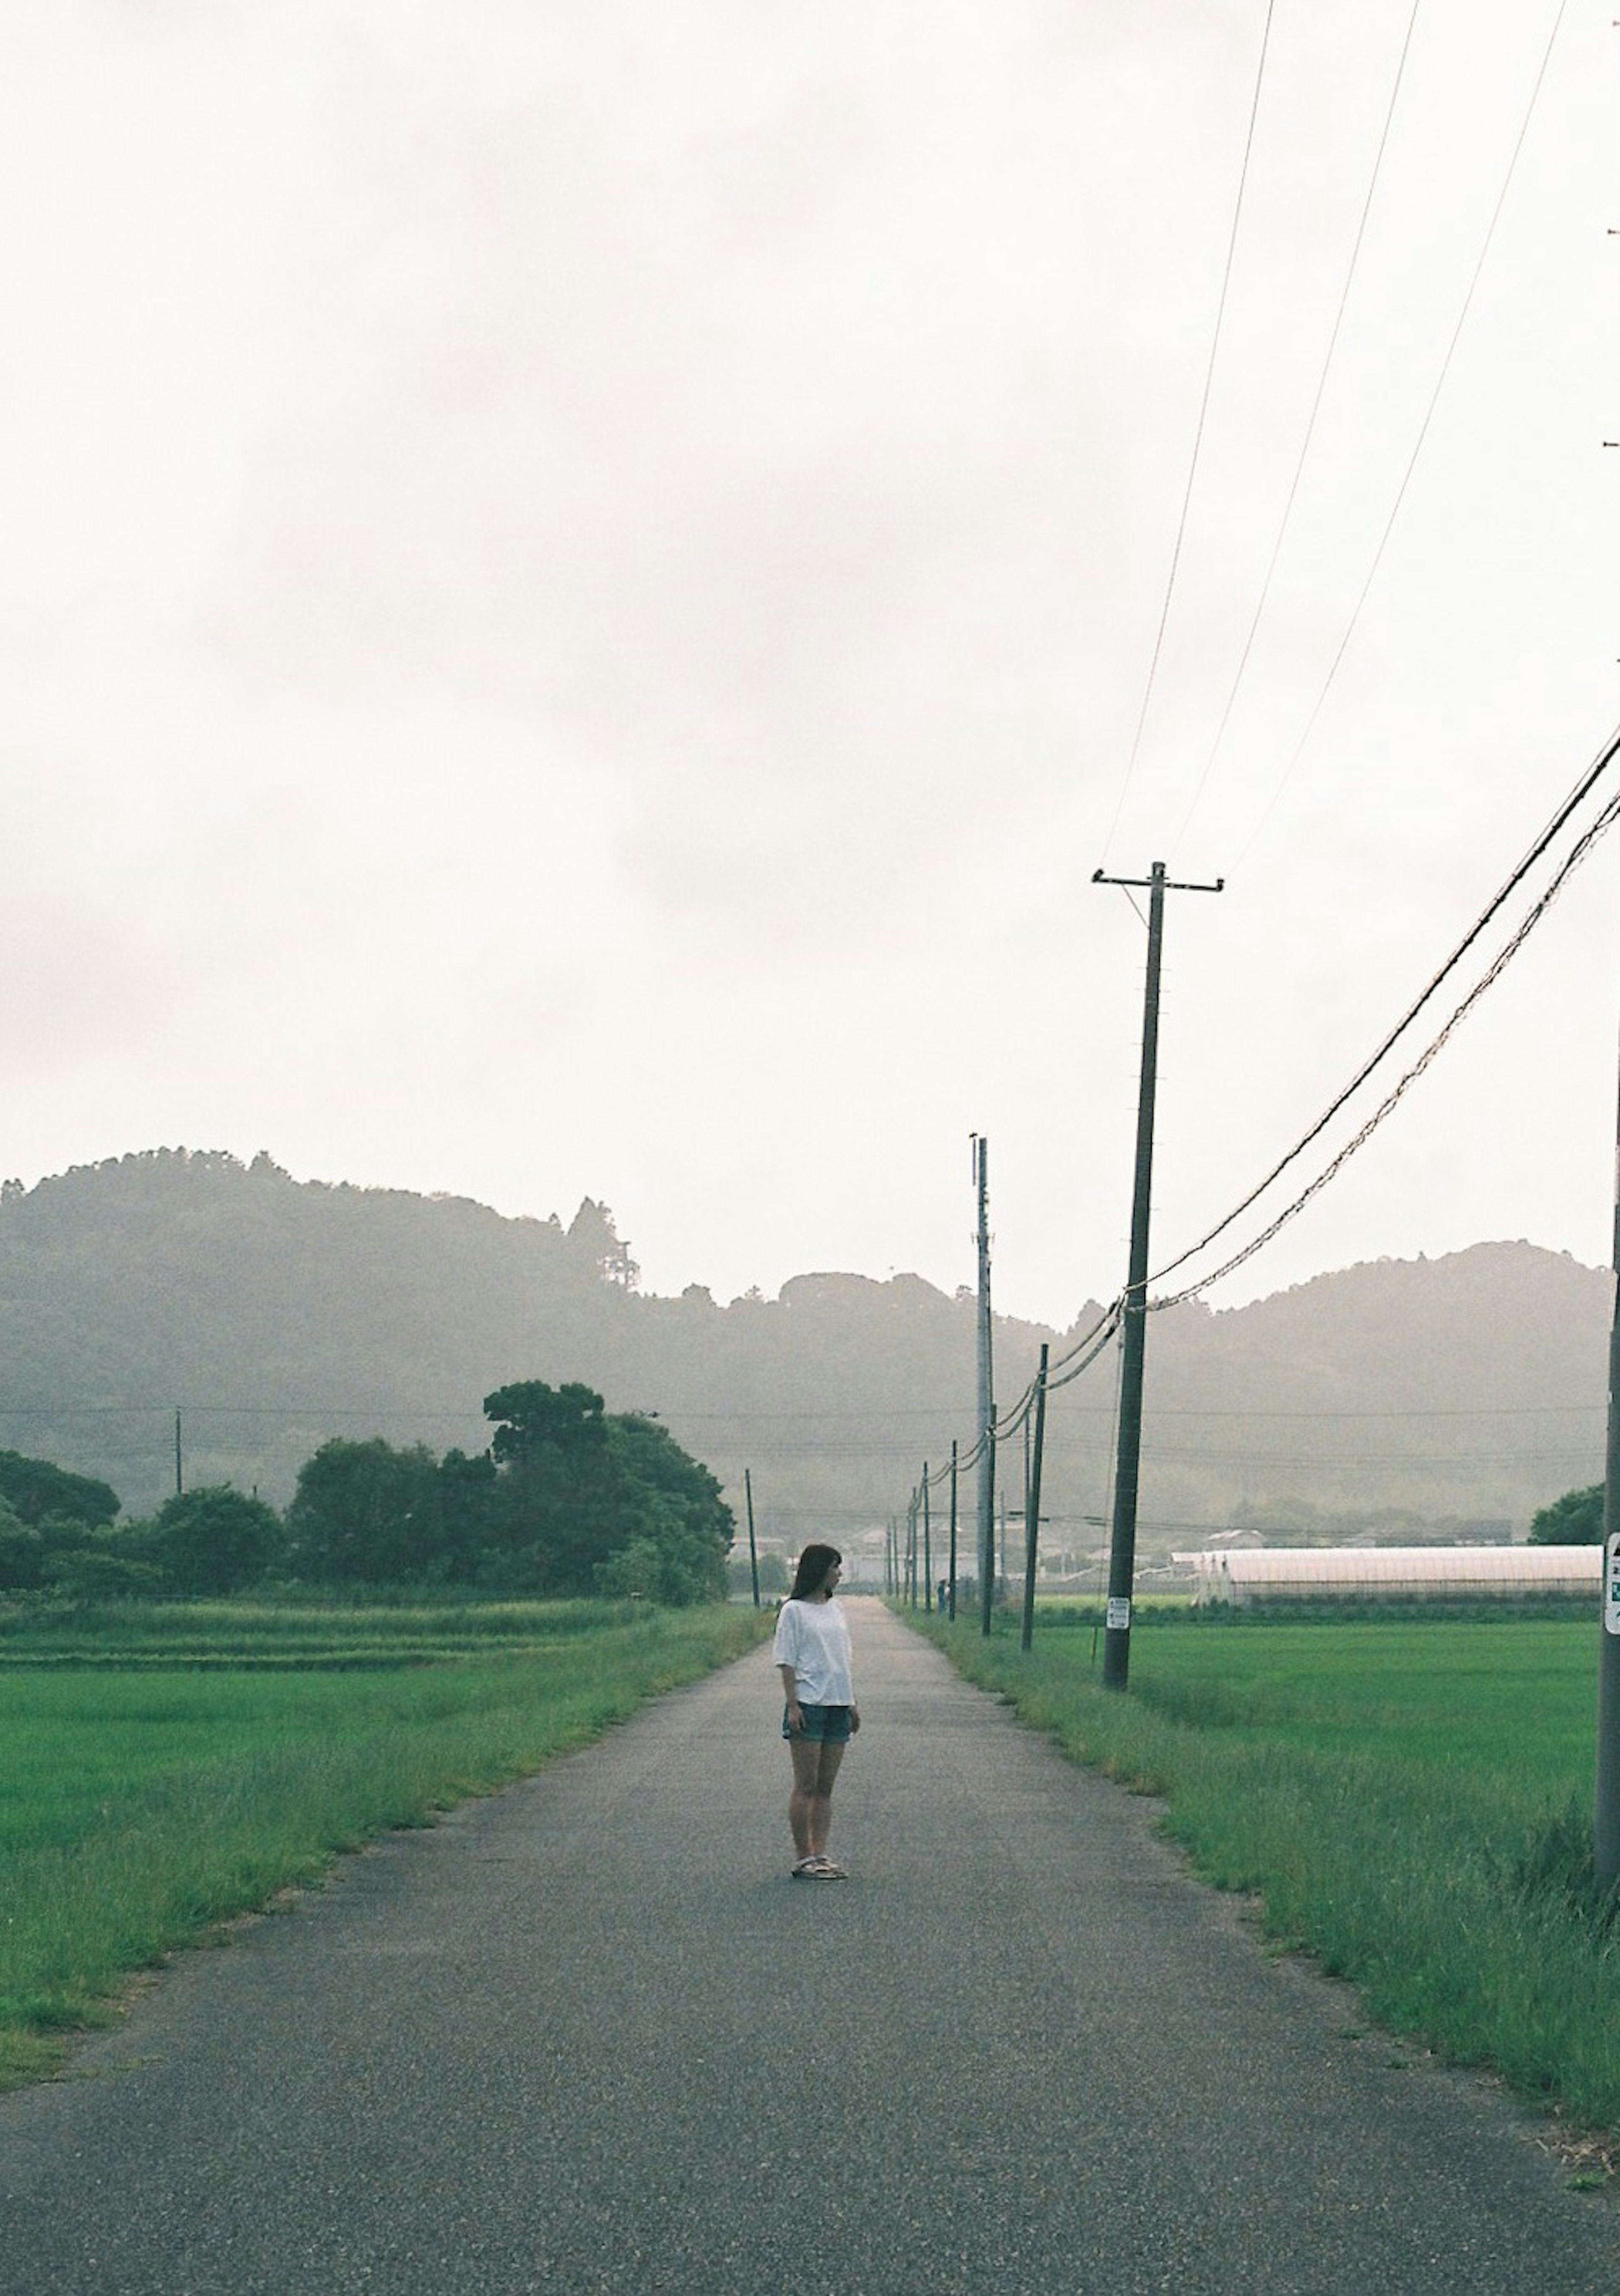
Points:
(164, 1767)
(1410, 1803)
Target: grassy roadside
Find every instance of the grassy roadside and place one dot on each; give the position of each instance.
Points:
(170, 1769)
(1410, 1803)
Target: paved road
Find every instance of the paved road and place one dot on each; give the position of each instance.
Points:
(589, 2038)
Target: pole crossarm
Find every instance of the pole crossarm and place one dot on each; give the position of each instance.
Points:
(1165, 885)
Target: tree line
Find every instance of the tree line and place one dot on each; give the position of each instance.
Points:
(131, 1284)
(568, 1499)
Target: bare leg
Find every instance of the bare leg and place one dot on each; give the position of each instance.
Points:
(807, 1763)
(821, 1798)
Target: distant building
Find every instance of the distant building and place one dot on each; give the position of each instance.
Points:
(1372, 1574)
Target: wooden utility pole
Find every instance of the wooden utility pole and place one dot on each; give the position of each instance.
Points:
(1133, 1337)
(927, 1547)
(953, 1532)
(754, 1552)
(179, 1470)
(1606, 1830)
(987, 1399)
(1031, 1503)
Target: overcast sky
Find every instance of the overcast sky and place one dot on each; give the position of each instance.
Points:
(578, 583)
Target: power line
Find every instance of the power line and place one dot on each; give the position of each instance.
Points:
(832, 1444)
(1192, 472)
(1460, 1411)
(1202, 1456)
(1305, 443)
(1105, 1336)
(239, 1411)
(1572, 861)
(1423, 431)
(1582, 788)
(1106, 1323)
(1009, 1424)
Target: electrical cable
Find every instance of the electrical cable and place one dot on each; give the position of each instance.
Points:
(1305, 443)
(1392, 1100)
(1010, 1423)
(1459, 1411)
(1086, 1363)
(1192, 474)
(1445, 368)
(1594, 772)
(1422, 1461)
(1108, 1319)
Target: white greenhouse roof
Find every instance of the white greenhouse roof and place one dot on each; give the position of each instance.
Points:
(1234, 1573)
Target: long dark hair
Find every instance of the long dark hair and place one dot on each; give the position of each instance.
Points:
(814, 1565)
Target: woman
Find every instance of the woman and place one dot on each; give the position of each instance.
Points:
(812, 1655)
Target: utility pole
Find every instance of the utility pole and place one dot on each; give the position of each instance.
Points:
(179, 1475)
(1031, 1503)
(1133, 1336)
(928, 1548)
(987, 1401)
(753, 1551)
(953, 1531)
(1606, 1830)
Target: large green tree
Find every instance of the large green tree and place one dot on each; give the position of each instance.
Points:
(578, 1490)
(1576, 1519)
(567, 1500)
(22, 1556)
(560, 1504)
(213, 1540)
(37, 1488)
(681, 1512)
(366, 1512)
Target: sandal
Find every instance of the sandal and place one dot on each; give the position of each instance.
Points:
(828, 1869)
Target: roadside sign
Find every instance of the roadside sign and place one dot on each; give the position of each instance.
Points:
(1611, 1584)
(1119, 1611)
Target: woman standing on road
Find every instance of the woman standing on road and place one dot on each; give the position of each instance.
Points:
(812, 1655)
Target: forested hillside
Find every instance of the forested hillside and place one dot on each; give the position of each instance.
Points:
(275, 1313)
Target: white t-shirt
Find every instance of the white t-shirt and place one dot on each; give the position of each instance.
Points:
(814, 1639)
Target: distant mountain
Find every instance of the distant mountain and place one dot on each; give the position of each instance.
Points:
(274, 1312)
(1468, 1387)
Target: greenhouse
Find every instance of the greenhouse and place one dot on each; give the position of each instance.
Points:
(1404, 1574)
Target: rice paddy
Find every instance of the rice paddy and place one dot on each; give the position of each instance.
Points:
(1408, 1802)
(165, 1768)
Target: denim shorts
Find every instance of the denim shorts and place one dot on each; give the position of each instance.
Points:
(824, 1725)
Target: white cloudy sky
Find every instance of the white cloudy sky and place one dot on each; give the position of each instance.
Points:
(576, 581)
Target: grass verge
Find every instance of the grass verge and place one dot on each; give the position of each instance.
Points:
(1408, 1802)
(147, 1801)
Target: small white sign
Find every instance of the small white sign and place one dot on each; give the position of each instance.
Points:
(1119, 1610)
(1611, 1585)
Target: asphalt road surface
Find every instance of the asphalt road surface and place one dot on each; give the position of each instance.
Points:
(587, 2035)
